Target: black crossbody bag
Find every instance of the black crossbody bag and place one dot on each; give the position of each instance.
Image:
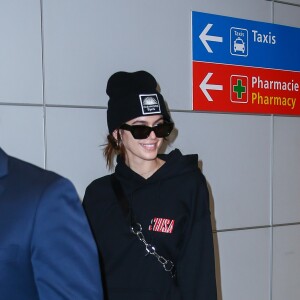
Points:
(136, 228)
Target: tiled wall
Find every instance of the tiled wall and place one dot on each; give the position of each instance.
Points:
(55, 59)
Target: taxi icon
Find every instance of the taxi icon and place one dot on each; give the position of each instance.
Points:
(239, 45)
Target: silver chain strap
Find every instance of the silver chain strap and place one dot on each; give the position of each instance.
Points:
(168, 265)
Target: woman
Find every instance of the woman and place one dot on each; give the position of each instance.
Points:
(150, 218)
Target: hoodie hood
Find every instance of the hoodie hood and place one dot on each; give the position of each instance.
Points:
(176, 165)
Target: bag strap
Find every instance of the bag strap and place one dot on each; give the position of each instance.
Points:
(136, 228)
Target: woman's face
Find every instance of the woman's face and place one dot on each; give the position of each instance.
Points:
(139, 150)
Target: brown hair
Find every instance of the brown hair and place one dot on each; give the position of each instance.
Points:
(112, 148)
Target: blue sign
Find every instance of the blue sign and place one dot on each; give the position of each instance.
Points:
(242, 42)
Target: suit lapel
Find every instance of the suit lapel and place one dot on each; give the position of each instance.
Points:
(3, 163)
(3, 168)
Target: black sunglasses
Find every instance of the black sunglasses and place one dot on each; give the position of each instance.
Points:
(140, 132)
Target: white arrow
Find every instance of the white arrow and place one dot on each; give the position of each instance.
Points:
(204, 86)
(204, 38)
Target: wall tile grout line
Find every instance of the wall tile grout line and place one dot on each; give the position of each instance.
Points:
(256, 227)
(272, 145)
(43, 85)
(284, 2)
(171, 110)
(272, 206)
(20, 104)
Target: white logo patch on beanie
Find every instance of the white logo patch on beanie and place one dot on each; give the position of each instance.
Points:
(150, 104)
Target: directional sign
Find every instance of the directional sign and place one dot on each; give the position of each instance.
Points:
(242, 42)
(225, 88)
(245, 66)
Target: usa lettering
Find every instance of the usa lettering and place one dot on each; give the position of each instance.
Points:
(162, 225)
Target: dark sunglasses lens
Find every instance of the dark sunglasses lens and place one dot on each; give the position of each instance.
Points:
(140, 132)
(163, 130)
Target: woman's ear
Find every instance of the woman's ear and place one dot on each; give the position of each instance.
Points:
(115, 134)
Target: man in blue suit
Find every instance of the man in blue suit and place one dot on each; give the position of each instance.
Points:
(47, 251)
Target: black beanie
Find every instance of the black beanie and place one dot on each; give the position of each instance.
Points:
(132, 95)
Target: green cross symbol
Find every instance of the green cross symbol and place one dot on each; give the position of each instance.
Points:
(239, 89)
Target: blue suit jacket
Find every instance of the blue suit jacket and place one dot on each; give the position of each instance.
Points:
(46, 246)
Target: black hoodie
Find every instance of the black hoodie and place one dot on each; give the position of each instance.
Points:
(173, 209)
